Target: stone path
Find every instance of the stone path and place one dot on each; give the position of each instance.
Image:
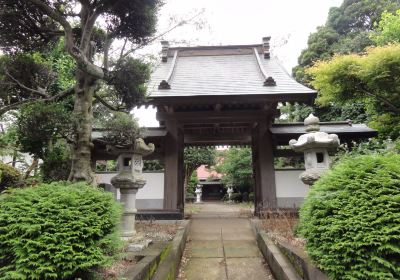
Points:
(221, 245)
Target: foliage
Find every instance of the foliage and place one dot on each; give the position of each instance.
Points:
(8, 139)
(93, 54)
(194, 157)
(388, 29)
(354, 111)
(237, 168)
(351, 219)
(56, 231)
(370, 78)
(128, 80)
(56, 163)
(236, 197)
(152, 165)
(191, 187)
(121, 129)
(9, 176)
(369, 147)
(51, 122)
(347, 30)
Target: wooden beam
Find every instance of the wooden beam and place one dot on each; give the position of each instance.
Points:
(215, 139)
(213, 116)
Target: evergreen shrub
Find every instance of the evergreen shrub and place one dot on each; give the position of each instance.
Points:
(351, 219)
(9, 176)
(236, 197)
(56, 231)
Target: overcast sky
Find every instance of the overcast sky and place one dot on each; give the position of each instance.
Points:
(231, 22)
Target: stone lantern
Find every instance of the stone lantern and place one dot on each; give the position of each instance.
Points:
(129, 180)
(230, 192)
(315, 145)
(198, 192)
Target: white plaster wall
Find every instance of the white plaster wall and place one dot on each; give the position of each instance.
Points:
(154, 188)
(288, 184)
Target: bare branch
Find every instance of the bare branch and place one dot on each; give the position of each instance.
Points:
(160, 35)
(15, 105)
(123, 48)
(40, 92)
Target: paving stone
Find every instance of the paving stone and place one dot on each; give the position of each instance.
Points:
(247, 268)
(220, 242)
(205, 249)
(206, 269)
(241, 249)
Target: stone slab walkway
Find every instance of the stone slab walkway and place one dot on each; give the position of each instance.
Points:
(221, 245)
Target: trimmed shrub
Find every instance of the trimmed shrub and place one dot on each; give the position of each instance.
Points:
(351, 219)
(9, 176)
(56, 231)
(251, 197)
(236, 197)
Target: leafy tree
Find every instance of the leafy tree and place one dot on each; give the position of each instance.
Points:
(371, 78)
(388, 29)
(89, 31)
(347, 30)
(236, 168)
(121, 129)
(195, 157)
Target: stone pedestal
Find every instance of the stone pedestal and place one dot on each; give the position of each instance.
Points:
(129, 180)
(199, 193)
(315, 146)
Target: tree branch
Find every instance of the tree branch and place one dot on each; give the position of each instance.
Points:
(160, 35)
(62, 94)
(83, 62)
(15, 105)
(105, 103)
(391, 106)
(37, 92)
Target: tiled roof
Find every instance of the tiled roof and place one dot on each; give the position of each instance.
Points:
(204, 71)
(333, 127)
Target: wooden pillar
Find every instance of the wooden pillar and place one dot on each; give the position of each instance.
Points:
(263, 166)
(173, 162)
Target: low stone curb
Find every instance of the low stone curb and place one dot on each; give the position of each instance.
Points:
(168, 269)
(282, 268)
(153, 266)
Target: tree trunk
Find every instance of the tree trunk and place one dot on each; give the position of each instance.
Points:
(81, 151)
(32, 167)
(14, 158)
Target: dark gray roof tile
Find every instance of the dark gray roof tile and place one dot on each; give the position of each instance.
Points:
(237, 74)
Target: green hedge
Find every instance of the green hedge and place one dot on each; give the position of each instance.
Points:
(9, 176)
(351, 219)
(56, 231)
